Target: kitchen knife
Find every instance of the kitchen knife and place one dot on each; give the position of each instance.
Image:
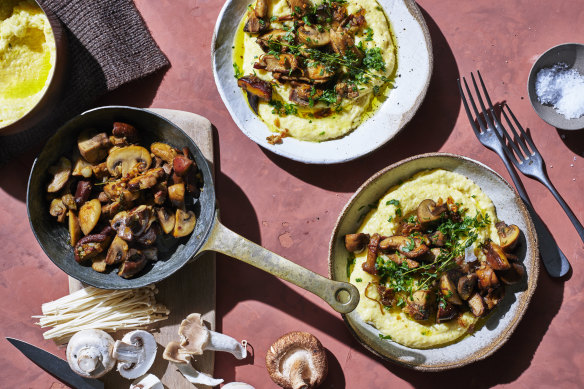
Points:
(55, 366)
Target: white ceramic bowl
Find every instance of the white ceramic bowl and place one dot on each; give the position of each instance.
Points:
(414, 67)
(501, 323)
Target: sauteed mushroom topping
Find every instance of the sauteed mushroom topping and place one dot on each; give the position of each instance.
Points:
(430, 270)
(118, 188)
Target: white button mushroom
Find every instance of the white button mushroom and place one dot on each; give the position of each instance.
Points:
(135, 353)
(297, 361)
(147, 381)
(237, 385)
(89, 353)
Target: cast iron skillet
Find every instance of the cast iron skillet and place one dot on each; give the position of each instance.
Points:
(209, 233)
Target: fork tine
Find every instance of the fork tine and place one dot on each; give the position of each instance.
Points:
(467, 109)
(474, 107)
(492, 111)
(480, 99)
(523, 132)
(517, 138)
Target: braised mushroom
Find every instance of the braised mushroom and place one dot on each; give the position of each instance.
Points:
(61, 172)
(146, 180)
(356, 243)
(372, 251)
(477, 305)
(449, 290)
(81, 167)
(508, 235)
(407, 246)
(466, 285)
(166, 220)
(184, 223)
(133, 223)
(487, 279)
(496, 258)
(428, 212)
(420, 304)
(93, 145)
(267, 39)
(163, 151)
(123, 160)
(256, 86)
(117, 252)
(312, 36)
(135, 262)
(299, 7)
(256, 18)
(343, 44)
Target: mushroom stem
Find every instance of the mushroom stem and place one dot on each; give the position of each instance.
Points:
(196, 377)
(221, 342)
(89, 360)
(297, 373)
(125, 352)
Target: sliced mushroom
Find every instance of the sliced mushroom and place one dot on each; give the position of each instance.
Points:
(281, 63)
(466, 285)
(297, 360)
(312, 36)
(409, 247)
(74, 228)
(135, 353)
(91, 245)
(166, 220)
(508, 235)
(299, 8)
(69, 201)
(356, 243)
(372, 251)
(496, 258)
(429, 212)
(148, 237)
(437, 238)
(487, 279)
(163, 151)
(184, 223)
(82, 168)
(89, 214)
(494, 297)
(513, 275)
(58, 209)
(477, 305)
(93, 145)
(446, 312)
(88, 353)
(398, 259)
(256, 86)
(176, 195)
(135, 262)
(304, 94)
(344, 44)
(61, 172)
(125, 130)
(122, 161)
(269, 38)
(256, 18)
(318, 73)
(117, 252)
(135, 222)
(419, 305)
(449, 290)
(98, 263)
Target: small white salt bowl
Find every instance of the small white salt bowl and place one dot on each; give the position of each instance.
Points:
(571, 54)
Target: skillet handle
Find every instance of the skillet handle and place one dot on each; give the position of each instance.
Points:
(341, 296)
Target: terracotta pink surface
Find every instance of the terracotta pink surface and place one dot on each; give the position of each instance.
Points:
(291, 208)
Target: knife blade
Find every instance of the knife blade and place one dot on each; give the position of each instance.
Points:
(55, 366)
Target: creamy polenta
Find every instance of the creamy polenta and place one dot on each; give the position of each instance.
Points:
(27, 58)
(336, 105)
(399, 202)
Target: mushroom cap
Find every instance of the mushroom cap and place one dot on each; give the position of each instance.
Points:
(146, 354)
(89, 353)
(302, 350)
(175, 353)
(193, 334)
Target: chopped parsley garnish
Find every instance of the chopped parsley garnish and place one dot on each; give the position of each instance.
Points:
(368, 34)
(387, 337)
(358, 279)
(238, 72)
(283, 109)
(350, 263)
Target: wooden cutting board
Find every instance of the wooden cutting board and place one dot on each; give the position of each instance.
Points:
(192, 289)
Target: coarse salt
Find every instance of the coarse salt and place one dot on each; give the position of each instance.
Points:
(563, 88)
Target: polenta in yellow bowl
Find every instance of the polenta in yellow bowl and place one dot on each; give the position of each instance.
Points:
(27, 58)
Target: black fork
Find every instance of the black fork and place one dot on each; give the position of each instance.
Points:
(490, 133)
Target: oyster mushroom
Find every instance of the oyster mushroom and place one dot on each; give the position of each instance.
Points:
(508, 235)
(135, 353)
(372, 251)
(343, 43)
(184, 223)
(195, 338)
(123, 160)
(312, 37)
(61, 172)
(428, 212)
(93, 146)
(256, 86)
(89, 353)
(297, 360)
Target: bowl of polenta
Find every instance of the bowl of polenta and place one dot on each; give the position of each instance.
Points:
(444, 255)
(32, 61)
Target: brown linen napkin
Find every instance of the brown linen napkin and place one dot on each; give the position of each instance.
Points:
(108, 45)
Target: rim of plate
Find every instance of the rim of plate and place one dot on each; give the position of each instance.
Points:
(415, 63)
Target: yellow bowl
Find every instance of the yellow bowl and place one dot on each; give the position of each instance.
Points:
(53, 85)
